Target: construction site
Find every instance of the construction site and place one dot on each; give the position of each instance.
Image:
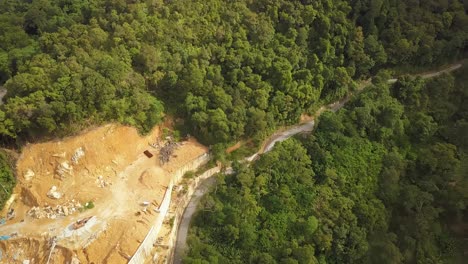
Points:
(92, 198)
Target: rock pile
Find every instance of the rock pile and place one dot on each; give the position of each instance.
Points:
(79, 153)
(54, 212)
(166, 152)
(63, 169)
(29, 174)
(53, 193)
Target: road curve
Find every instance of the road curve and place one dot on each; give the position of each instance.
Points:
(204, 187)
(187, 216)
(282, 136)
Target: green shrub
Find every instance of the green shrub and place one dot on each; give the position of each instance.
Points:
(7, 179)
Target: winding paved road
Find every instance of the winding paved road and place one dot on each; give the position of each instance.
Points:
(187, 216)
(204, 187)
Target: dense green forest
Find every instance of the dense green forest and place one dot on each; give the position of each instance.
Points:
(230, 69)
(368, 186)
(7, 179)
(382, 181)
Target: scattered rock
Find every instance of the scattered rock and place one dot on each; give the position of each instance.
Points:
(60, 210)
(167, 150)
(63, 169)
(29, 175)
(101, 182)
(79, 153)
(53, 193)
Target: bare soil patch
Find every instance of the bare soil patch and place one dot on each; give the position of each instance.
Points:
(105, 166)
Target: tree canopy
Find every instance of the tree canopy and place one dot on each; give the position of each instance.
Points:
(7, 179)
(382, 181)
(230, 69)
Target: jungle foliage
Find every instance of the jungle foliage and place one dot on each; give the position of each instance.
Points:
(7, 179)
(382, 181)
(238, 69)
(231, 69)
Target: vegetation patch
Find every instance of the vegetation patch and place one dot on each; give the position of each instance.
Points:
(7, 178)
(381, 181)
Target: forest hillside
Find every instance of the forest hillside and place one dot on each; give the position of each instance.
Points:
(383, 180)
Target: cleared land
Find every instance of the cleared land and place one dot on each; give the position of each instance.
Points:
(105, 166)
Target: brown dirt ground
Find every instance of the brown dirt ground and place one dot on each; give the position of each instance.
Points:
(113, 152)
(234, 147)
(305, 118)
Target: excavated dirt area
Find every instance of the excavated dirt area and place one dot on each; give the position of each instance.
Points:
(104, 167)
